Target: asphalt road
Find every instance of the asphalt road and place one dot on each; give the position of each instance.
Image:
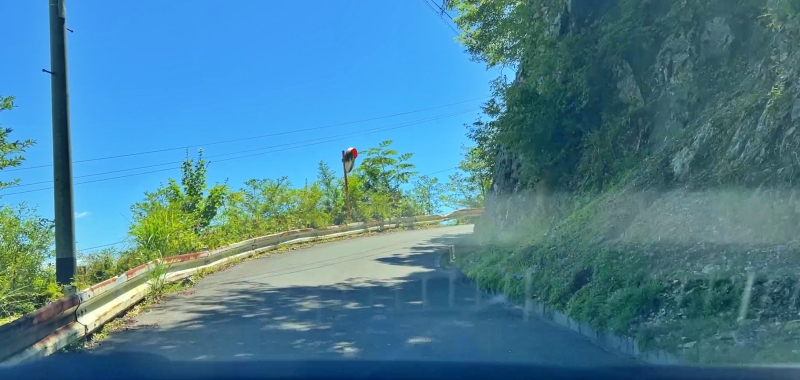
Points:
(359, 298)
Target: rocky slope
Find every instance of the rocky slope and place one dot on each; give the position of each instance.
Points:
(646, 171)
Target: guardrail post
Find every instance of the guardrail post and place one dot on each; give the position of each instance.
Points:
(318, 309)
(451, 297)
(507, 284)
(477, 292)
(528, 296)
(747, 293)
(397, 302)
(424, 292)
(69, 290)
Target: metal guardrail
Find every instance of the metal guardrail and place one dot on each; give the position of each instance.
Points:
(71, 318)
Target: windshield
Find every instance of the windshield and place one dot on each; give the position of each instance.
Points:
(572, 183)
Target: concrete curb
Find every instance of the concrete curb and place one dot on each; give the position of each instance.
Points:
(619, 345)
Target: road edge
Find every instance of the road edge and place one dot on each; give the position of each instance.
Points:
(618, 345)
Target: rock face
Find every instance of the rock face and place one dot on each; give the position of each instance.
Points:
(646, 170)
(507, 191)
(711, 89)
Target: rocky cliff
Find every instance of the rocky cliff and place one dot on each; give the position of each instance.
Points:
(664, 93)
(646, 170)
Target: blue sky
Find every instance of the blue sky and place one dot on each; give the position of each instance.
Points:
(154, 75)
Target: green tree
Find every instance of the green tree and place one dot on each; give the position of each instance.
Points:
(25, 245)
(10, 151)
(162, 228)
(469, 186)
(307, 207)
(192, 196)
(427, 196)
(332, 187)
(267, 203)
(384, 169)
(550, 117)
(25, 240)
(172, 219)
(494, 31)
(382, 173)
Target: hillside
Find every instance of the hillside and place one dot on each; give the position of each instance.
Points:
(645, 160)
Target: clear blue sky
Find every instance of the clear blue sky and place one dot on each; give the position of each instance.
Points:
(155, 74)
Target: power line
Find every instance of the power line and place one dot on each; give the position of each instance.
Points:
(250, 155)
(103, 246)
(252, 137)
(443, 11)
(323, 139)
(437, 172)
(434, 7)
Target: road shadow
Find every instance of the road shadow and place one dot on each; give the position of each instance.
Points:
(425, 255)
(426, 315)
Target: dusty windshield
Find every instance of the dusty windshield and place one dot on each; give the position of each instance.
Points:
(576, 183)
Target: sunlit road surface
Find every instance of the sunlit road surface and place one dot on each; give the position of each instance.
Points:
(355, 299)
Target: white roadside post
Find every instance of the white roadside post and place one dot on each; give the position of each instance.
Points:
(424, 291)
(528, 299)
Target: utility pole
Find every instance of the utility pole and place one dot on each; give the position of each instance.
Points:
(66, 261)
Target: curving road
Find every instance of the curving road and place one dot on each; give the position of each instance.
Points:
(358, 298)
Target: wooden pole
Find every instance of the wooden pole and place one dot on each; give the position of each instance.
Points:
(346, 190)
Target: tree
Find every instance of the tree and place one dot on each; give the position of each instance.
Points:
(25, 245)
(193, 198)
(307, 208)
(384, 169)
(10, 151)
(469, 186)
(25, 240)
(332, 188)
(267, 203)
(260, 207)
(493, 31)
(170, 220)
(427, 195)
(382, 173)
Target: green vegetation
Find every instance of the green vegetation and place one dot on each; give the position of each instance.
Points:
(190, 215)
(644, 167)
(25, 240)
